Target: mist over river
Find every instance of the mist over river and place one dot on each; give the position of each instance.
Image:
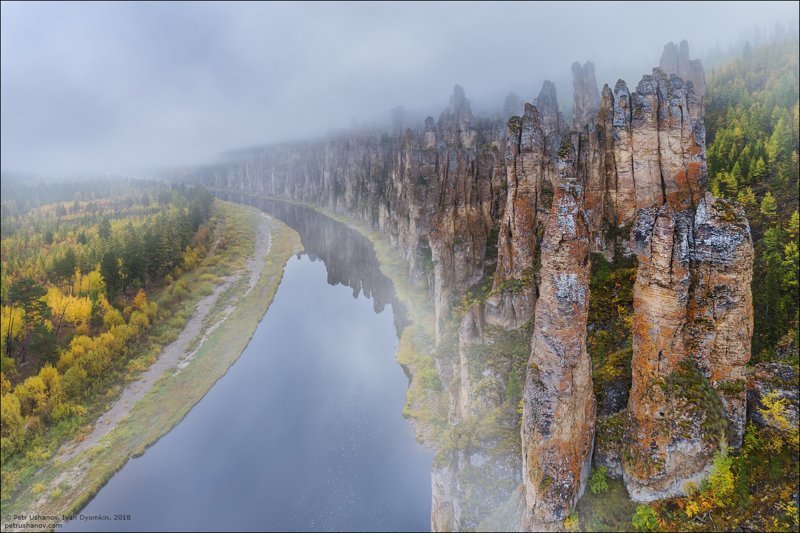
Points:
(305, 430)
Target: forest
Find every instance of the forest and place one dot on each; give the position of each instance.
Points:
(752, 119)
(78, 280)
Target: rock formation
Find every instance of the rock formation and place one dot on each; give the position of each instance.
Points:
(623, 200)
(675, 60)
(691, 332)
(527, 163)
(720, 309)
(692, 302)
(496, 219)
(660, 459)
(547, 104)
(559, 406)
(586, 98)
(461, 222)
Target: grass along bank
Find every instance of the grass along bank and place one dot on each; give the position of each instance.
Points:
(37, 483)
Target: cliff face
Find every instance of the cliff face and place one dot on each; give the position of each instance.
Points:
(720, 309)
(695, 264)
(559, 405)
(527, 167)
(586, 98)
(497, 219)
(675, 60)
(692, 327)
(462, 218)
(659, 458)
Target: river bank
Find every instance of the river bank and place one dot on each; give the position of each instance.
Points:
(304, 432)
(252, 251)
(426, 401)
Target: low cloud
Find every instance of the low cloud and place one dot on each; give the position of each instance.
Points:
(126, 87)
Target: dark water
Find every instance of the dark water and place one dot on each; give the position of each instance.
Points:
(304, 432)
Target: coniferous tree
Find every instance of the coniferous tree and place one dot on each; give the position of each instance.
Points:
(109, 268)
(104, 229)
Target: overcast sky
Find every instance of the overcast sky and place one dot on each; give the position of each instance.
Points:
(120, 88)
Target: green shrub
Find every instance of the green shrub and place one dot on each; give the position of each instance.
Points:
(689, 383)
(721, 480)
(598, 484)
(645, 519)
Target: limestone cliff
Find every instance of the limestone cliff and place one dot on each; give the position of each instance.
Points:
(586, 98)
(691, 333)
(497, 220)
(559, 405)
(527, 166)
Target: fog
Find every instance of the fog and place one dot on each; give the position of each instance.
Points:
(127, 88)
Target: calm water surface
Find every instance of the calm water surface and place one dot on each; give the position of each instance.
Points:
(304, 432)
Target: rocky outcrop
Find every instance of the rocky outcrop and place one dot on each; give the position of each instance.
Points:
(496, 219)
(527, 164)
(595, 172)
(662, 454)
(691, 339)
(654, 164)
(623, 192)
(654, 146)
(461, 222)
(586, 98)
(675, 60)
(559, 406)
(720, 309)
(553, 121)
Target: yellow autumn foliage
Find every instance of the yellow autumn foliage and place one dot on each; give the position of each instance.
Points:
(75, 310)
(11, 325)
(90, 285)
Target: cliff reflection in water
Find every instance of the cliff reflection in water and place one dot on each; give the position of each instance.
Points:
(347, 255)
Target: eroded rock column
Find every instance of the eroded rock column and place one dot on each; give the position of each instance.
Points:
(586, 98)
(692, 326)
(559, 405)
(721, 305)
(514, 289)
(666, 447)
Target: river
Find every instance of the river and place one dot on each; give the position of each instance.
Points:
(305, 430)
